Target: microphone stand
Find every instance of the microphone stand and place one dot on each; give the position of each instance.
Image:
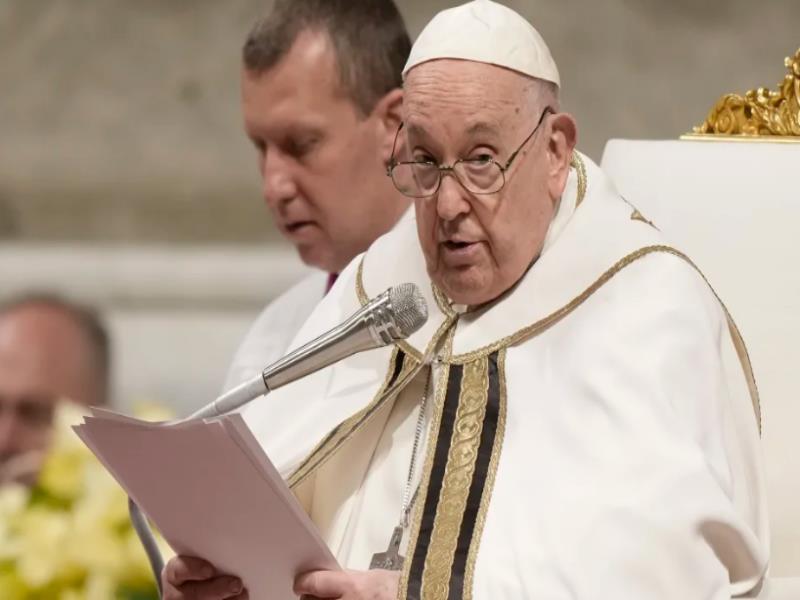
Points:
(148, 540)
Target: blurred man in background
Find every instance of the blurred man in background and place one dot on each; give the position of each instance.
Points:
(321, 99)
(50, 349)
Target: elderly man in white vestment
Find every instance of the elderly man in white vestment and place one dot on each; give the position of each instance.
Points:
(568, 423)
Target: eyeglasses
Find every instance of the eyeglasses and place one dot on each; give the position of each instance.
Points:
(422, 178)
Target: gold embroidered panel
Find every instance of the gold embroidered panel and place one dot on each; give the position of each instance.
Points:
(463, 454)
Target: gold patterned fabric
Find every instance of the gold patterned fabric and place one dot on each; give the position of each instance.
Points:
(465, 449)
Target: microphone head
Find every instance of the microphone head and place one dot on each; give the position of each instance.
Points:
(409, 308)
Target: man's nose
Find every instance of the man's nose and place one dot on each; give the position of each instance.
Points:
(451, 199)
(278, 184)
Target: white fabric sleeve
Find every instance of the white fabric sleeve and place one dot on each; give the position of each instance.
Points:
(693, 525)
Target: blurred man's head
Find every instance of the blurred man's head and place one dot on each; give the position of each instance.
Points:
(49, 349)
(322, 99)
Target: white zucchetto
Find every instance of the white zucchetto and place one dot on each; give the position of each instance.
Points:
(487, 32)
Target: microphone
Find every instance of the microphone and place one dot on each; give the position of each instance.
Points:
(393, 315)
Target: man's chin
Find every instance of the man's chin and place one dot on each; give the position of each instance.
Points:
(317, 257)
(465, 286)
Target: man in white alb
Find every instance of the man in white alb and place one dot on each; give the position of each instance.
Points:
(321, 100)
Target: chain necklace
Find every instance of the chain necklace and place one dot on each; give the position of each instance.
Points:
(391, 559)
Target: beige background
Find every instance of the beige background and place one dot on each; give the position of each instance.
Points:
(119, 120)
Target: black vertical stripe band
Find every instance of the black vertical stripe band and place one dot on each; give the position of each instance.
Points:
(399, 361)
(477, 485)
(339, 433)
(444, 437)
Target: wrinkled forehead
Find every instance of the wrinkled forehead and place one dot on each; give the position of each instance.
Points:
(476, 97)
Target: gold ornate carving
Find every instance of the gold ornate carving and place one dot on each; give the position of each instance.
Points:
(760, 112)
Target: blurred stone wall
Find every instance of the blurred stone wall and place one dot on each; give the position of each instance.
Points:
(119, 120)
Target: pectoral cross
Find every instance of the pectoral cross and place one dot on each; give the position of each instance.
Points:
(391, 559)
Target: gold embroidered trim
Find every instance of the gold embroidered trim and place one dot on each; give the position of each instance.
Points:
(542, 324)
(459, 470)
(486, 496)
(442, 301)
(636, 215)
(744, 360)
(361, 293)
(323, 451)
(440, 387)
(579, 166)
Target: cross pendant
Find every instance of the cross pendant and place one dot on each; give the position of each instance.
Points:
(391, 559)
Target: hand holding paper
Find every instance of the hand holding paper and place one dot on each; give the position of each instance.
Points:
(189, 578)
(213, 493)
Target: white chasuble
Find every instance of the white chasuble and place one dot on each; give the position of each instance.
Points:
(592, 433)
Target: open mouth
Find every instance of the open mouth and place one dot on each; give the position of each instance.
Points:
(297, 225)
(452, 245)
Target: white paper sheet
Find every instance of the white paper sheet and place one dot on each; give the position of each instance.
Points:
(213, 493)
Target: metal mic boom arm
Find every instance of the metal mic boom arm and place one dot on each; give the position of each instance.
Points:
(372, 326)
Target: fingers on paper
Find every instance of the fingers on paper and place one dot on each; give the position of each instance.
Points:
(218, 588)
(191, 578)
(181, 569)
(322, 584)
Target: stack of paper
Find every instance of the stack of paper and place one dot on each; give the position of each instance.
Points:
(213, 493)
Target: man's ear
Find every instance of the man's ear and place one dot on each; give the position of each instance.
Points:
(388, 113)
(563, 135)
